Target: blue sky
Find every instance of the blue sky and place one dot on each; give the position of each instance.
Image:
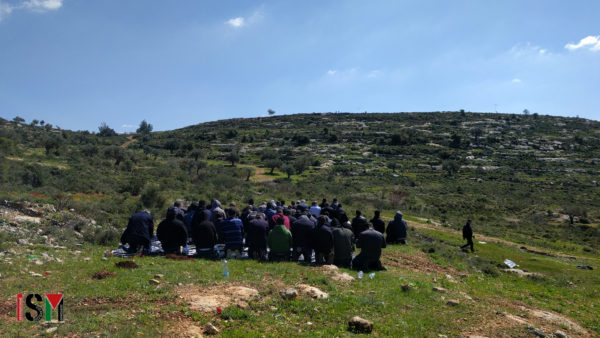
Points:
(78, 63)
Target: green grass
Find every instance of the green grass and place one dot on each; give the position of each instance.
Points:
(112, 305)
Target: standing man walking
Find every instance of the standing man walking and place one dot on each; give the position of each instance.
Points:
(468, 235)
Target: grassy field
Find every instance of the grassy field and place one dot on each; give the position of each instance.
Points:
(491, 302)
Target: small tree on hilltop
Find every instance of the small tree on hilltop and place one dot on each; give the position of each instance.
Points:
(145, 128)
(105, 131)
(271, 112)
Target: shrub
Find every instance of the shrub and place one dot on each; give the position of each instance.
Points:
(152, 196)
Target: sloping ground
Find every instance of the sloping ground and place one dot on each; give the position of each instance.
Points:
(419, 294)
(489, 239)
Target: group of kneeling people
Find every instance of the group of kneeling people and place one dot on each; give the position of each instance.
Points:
(291, 232)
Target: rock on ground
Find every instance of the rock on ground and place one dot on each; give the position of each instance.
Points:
(312, 291)
(558, 320)
(209, 299)
(439, 289)
(453, 302)
(560, 334)
(536, 331)
(209, 328)
(360, 325)
(288, 294)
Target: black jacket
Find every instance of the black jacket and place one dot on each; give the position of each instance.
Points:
(204, 235)
(257, 233)
(370, 242)
(323, 238)
(359, 224)
(378, 224)
(172, 234)
(141, 225)
(467, 231)
(302, 232)
(396, 229)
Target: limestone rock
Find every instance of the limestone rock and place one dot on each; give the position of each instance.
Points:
(453, 302)
(154, 282)
(360, 325)
(439, 289)
(536, 331)
(560, 334)
(288, 294)
(210, 329)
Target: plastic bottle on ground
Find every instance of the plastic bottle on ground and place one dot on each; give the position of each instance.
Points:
(360, 274)
(225, 269)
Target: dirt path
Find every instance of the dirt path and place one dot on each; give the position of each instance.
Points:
(259, 175)
(484, 238)
(127, 143)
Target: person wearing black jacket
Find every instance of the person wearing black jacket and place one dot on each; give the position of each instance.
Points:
(359, 224)
(323, 242)
(172, 234)
(204, 235)
(257, 233)
(139, 231)
(378, 222)
(397, 230)
(340, 214)
(370, 242)
(302, 232)
(468, 235)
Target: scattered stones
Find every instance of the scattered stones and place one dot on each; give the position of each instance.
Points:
(288, 294)
(154, 282)
(52, 330)
(35, 274)
(104, 258)
(522, 273)
(451, 279)
(126, 265)
(536, 331)
(439, 289)
(103, 274)
(453, 302)
(312, 291)
(23, 242)
(87, 259)
(360, 325)
(210, 329)
(558, 320)
(159, 276)
(560, 334)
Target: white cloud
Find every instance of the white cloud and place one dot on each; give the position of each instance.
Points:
(590, 42)
(128, 126)
(516, 80)
(42, 5)
(235, 22)
(374, 73)
(5, 9)
(251, 19)
(32, 5)
(331, 72)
